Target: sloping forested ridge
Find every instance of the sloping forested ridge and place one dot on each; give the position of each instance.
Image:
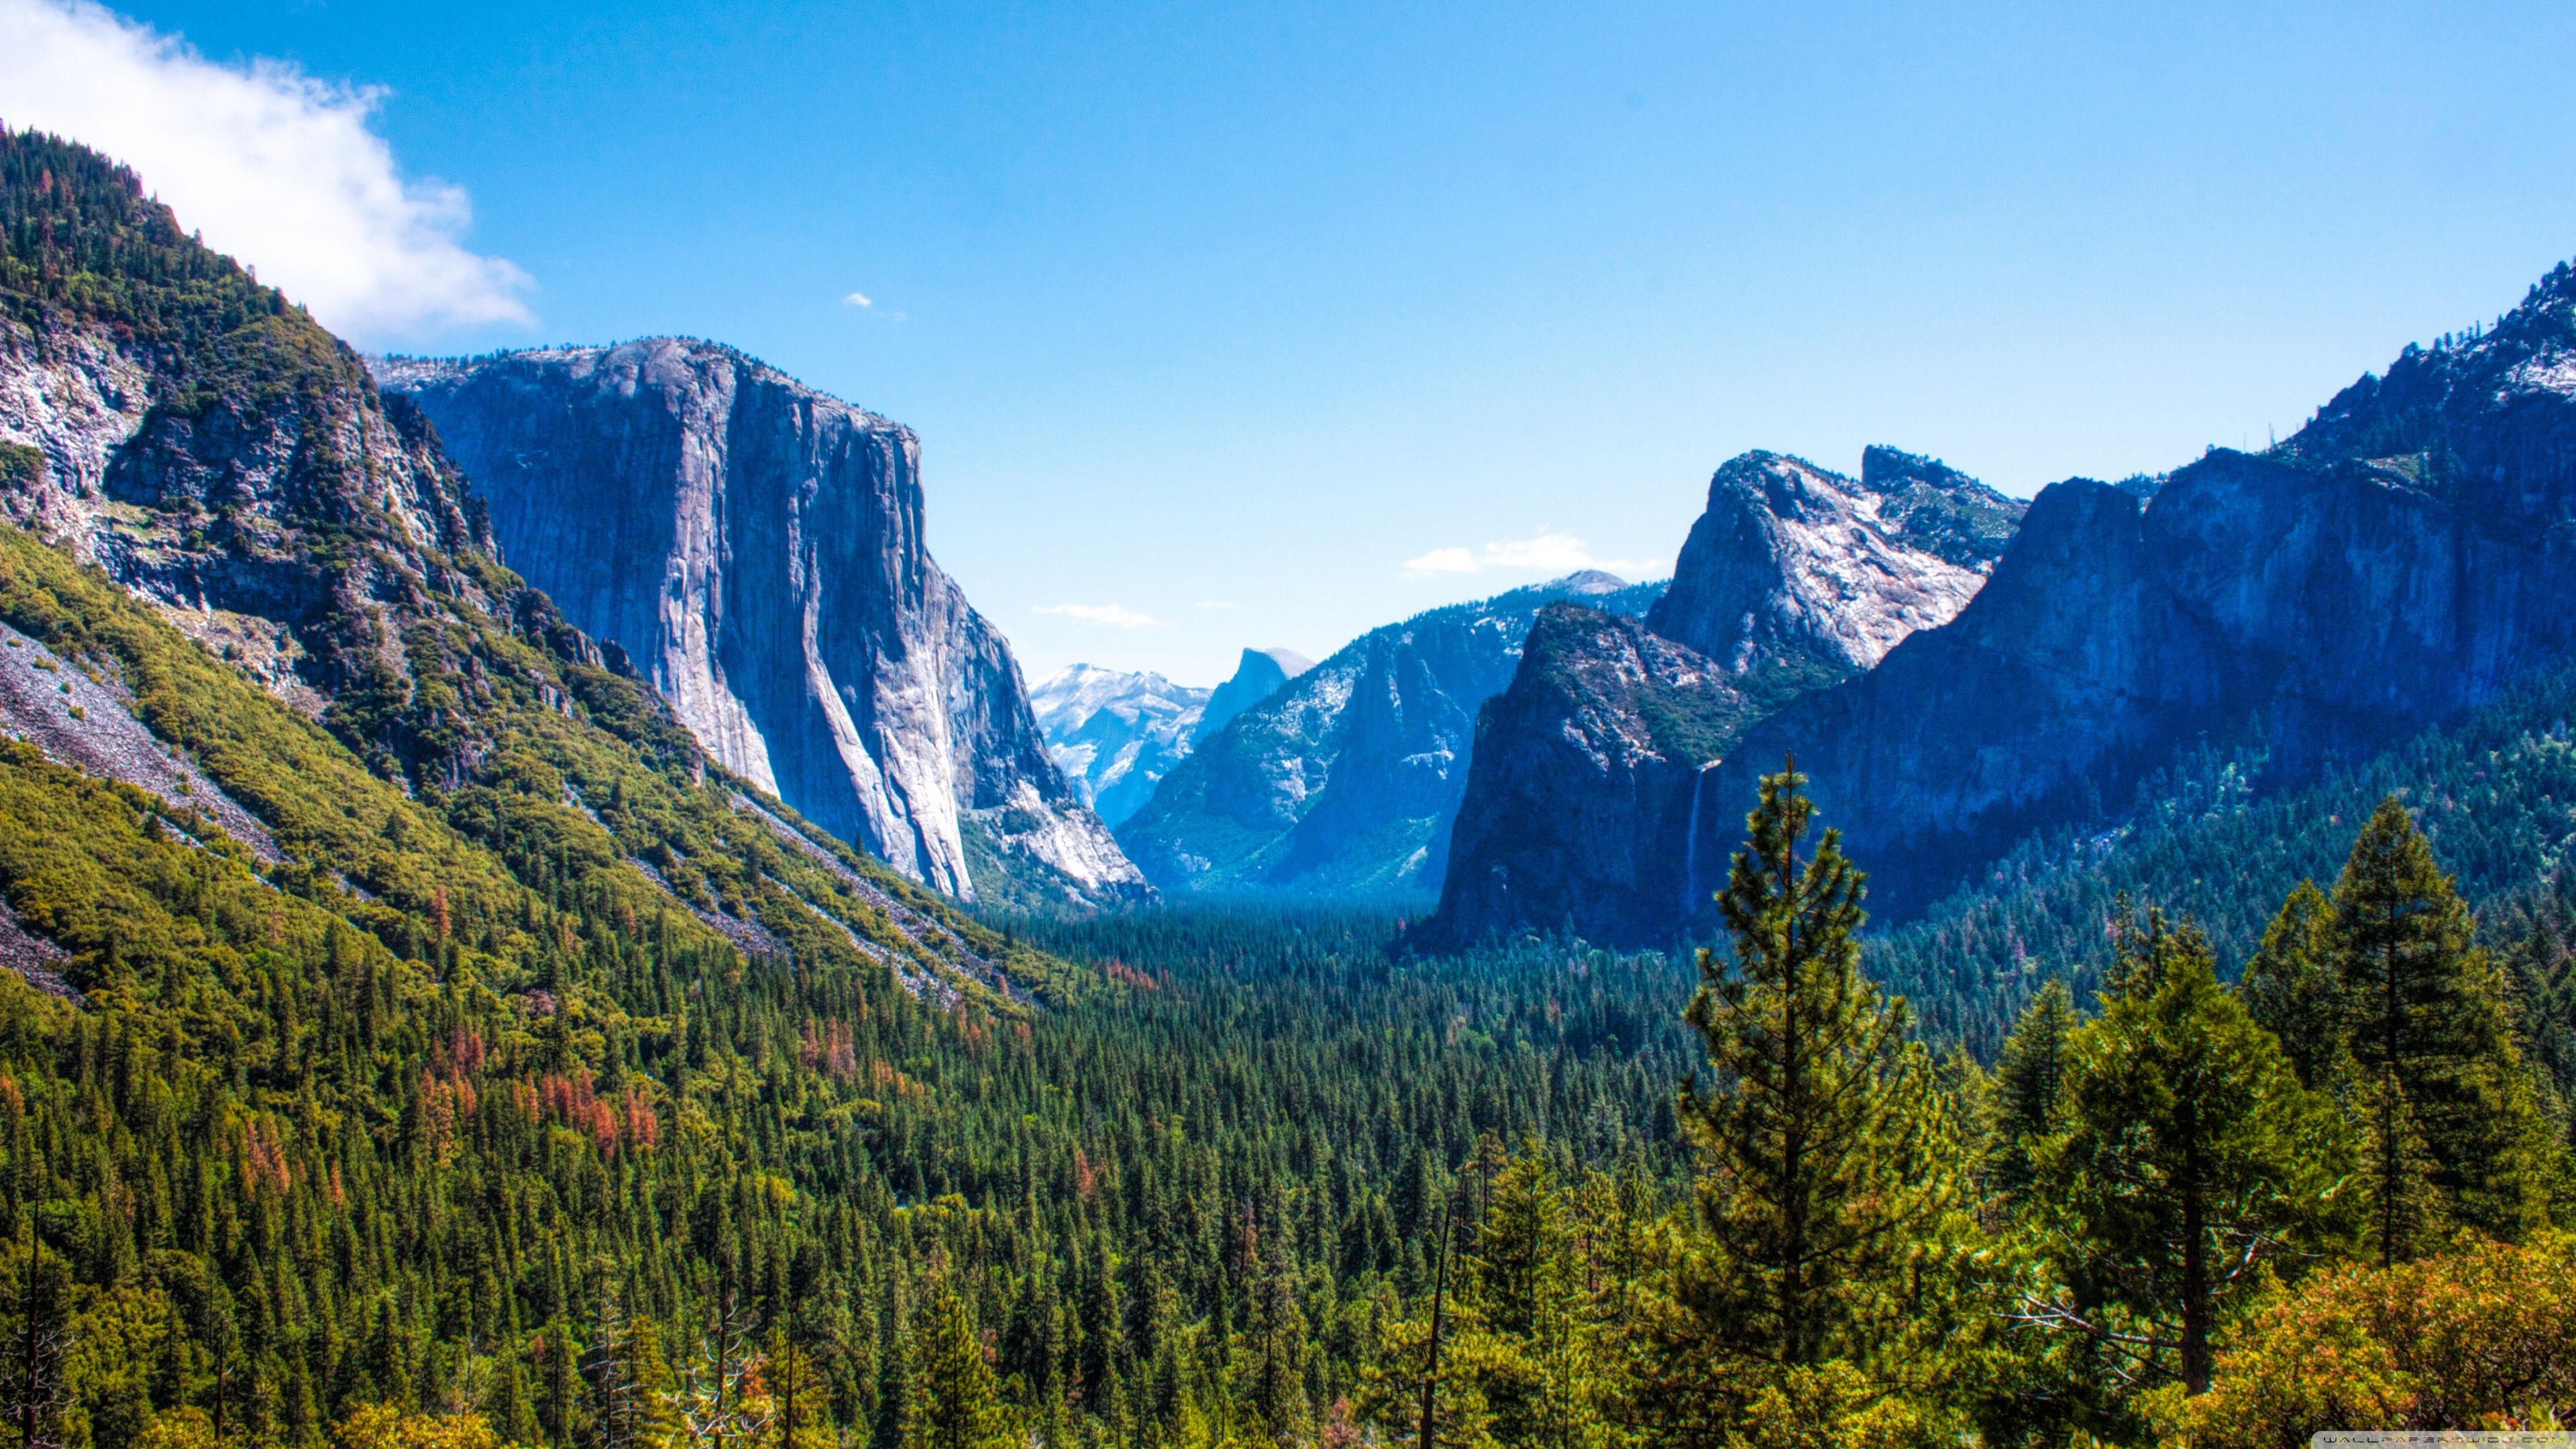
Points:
(2496, 792)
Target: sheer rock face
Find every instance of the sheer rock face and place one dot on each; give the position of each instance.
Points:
(1260, 674)
(1345, 781)
(1584, 773)
(758, 549)
(1579, 808)
(2401, 559)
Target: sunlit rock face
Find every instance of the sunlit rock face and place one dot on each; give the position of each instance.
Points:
(758, 548)
(2405, 557)
(1590, 769)
(1116, 733)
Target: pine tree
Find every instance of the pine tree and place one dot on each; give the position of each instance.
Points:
(34, 1391)
(2028, 1073)
(2447, 1104)
(2292, 991)
(2188, 1160)
(955, 1400)
(1276, 1383)
(1823, 1162)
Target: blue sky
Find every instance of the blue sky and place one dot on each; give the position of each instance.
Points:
(1199, 306)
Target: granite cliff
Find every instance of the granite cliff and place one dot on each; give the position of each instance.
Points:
(1577, 810)
(2403, 558)
(1584, 771)
(758, 548)
(1260, 674)
(1795, 568)
(1345, 780)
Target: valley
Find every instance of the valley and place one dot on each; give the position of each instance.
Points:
(534, 912)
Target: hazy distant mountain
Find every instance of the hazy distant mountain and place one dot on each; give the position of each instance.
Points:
(1260, 674)
(1345, 780)
(1116, 733)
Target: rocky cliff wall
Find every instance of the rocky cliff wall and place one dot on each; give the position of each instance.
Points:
(1584, 774)
(758, 548)
(2405, 557)
(1793, 579)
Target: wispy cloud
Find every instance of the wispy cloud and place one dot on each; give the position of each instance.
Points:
(1116, 616)
(857, 299)
(1215, 604)
(1545, 553)
(277, 168)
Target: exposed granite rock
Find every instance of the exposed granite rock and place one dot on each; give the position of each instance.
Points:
(300, 528)
(1795, 566)
(1584, 773)
(2403, 558)
(1578, 810)
(1345, 781)
(54, 704)
(1260, 674)
(1116, 733)
(758, 548)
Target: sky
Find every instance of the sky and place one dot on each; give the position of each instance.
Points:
(1237, 325)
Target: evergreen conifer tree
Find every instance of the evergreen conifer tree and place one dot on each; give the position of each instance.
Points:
(2187, 1159)
(2291, 988)
(2028, 1074)
(955, 1399)
(2446, 1103)
(1824, 1169)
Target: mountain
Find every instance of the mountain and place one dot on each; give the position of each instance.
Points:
(1584, 770)
(408, 1035)
(1260, 674)
(242, 585)
(1345, 781)
(1793, 567)
(2404, 557)
(1579, 807)
(759, 549)
(1116, 734)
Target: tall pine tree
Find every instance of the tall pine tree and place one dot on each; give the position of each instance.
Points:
(2187, 1158)
(2446, 1105)
(1824, 1170)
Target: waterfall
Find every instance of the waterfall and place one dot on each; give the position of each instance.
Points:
(1690, 848)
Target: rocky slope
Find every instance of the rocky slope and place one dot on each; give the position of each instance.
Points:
(2406, 556)
(1578, 810)
(1345, 781)
(1116, 733)
(758, 548)
(381, 719)
(1795, 567)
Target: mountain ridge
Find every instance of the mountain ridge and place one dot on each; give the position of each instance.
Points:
(1345, 780)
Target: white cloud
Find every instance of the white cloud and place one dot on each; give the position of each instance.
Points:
(276, 168)
(1440, 561)
(1545, 553)
(1117, 616)
(857, 299)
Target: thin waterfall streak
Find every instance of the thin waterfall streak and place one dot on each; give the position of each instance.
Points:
(1690, 849)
